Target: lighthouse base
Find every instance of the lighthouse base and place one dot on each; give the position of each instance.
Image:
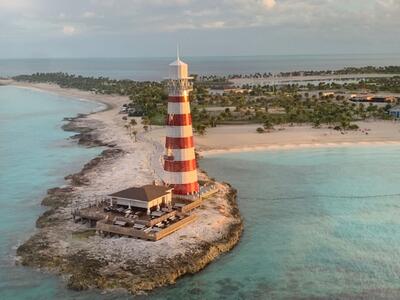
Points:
(186, 189)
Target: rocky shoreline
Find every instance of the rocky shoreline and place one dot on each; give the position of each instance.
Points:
(75, 251)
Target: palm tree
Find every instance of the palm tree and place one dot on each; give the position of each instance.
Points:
(127, 128)
(146, 122)
(133, 122)
(200, 129)
(268, 125)
(134, 132)
(213, 121)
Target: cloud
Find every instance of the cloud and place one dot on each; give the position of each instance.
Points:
(89, 14)
(141, 16)
(14, 4)
(138, 20)
(69, 30)
(216, 24)
(269, 4)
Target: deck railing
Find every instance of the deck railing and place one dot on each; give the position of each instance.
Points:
(174, 227)
(102, 226)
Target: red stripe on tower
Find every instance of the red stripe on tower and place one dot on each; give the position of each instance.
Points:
(179, 143)
(182, 98)
(180, 164)
(184, 189)
(179, 120)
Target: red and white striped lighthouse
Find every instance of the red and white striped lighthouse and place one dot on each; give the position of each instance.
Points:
(180, 162)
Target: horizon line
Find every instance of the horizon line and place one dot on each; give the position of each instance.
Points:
(200, 56)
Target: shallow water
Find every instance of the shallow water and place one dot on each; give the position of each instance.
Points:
(34, 156)
(320, 223)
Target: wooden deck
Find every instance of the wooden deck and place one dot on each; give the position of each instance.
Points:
(97, 214)
(106, 222)
(154, 221)
(174, 227)
(205, 192)
(103, 227)
(190, 206)
(193, 204)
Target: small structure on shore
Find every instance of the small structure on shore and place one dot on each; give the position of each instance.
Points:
(150, 212)
(395, 112)
(149, 197)
(373, 98)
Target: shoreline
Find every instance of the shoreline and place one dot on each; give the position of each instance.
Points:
(243, 138)
(80, 95)
(298, 136)
(294, 147)
(63, 247)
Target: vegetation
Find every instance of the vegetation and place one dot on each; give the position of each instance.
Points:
(266, 105)
(260, 130)
(345, 71)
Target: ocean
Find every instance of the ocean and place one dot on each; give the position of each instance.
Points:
(319, 223)
(156, 68)
(34, 155)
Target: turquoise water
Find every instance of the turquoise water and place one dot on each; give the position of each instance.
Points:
(156, 68)
(34, 156)
(319, 223)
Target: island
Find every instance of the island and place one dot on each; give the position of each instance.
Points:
(226, 117)
(64, 246)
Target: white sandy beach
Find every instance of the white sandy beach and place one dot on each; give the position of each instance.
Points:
(232, 137)
(239, 138)
(245, 138)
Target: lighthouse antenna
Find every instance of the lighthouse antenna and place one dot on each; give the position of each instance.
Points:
(177, 51)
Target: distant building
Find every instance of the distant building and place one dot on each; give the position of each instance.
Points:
(327, 94)
(372, 98)
(395, 111)
(236, 90)
(149, 197)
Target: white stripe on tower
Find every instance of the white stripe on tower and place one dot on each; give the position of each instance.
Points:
(183, 154)
(178, 108)
(185, 178)
(180, 131)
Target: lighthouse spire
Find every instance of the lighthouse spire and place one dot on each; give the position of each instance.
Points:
(177, 51)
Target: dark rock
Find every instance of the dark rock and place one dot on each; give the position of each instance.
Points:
(57, 197)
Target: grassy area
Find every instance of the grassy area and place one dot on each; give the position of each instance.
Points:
(158, 119)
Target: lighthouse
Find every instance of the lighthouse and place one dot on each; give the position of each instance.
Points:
(179, 161)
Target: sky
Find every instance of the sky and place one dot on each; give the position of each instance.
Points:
(142, 28)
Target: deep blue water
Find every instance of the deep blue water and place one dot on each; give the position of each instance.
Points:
(156, 68)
